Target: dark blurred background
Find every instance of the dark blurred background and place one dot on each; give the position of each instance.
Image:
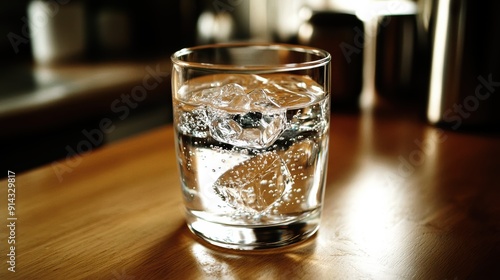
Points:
(78, 74)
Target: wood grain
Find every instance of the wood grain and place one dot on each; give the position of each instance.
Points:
(403, 201)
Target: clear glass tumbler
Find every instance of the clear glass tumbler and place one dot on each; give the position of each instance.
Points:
(251, 128)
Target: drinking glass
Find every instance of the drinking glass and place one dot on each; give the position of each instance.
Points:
(251, 129)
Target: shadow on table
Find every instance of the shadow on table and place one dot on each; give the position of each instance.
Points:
(184, 256)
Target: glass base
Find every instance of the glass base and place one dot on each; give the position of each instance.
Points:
(251, 237)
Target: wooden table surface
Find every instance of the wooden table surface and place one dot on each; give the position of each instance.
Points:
(403, 200)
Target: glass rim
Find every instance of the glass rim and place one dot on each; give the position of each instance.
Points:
(324, 57)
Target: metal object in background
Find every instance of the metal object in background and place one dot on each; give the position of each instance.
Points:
(402, 59)
(341, 34)
(464, 91)
(57, 31)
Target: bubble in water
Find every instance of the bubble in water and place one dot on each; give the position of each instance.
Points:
(261, 182)
(237, 95)
(236, 120)
(234, 116)
(194, 122)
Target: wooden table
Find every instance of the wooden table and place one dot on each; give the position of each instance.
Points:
(403, 200)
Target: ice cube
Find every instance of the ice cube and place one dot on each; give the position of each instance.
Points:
(249, 120)
(227, 94)
(292, 91)
(205, 96)
(259, 100)
(297, 84)
(225, 129)
(256, 184)
(249, 130)
(220, 97)
(246, 81)
(312, 118)
(240, 103)
(273, 126)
